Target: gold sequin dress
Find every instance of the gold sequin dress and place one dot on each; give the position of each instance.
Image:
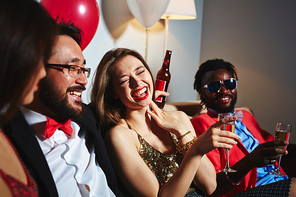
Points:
(162, 165)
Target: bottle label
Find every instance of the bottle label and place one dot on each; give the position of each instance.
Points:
(166, 62)
(162, 86)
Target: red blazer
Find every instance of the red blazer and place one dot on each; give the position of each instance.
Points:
(217, 156)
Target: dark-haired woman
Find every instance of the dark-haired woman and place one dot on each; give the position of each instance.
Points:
(27, 33)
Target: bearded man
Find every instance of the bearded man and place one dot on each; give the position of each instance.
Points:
(255, 154)
(63, 149)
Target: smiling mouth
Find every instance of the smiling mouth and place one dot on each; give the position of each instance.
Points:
(75, 93)
(224, 98)
(141, 94)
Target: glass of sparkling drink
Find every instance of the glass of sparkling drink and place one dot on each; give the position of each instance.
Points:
(282, 132)
(230, 126)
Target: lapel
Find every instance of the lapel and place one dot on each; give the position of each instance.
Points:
(251, 124)
(23, 138)
(93, 133)
(93, 130)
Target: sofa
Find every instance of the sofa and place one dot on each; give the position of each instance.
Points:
(192, 108)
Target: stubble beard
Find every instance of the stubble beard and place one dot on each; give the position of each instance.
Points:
(58, 102)
(229, 108)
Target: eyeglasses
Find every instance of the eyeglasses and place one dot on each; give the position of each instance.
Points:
(71, 70)
(215, 86)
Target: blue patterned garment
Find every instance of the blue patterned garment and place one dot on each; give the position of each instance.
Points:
(263, 175)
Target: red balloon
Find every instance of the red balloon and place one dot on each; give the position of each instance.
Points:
(85, 14)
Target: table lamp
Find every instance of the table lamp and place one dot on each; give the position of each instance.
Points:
(178, 10)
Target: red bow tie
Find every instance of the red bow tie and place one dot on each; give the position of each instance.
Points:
(52, 126)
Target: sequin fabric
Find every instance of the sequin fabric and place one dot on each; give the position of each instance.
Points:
(162, 165)
(17, 188)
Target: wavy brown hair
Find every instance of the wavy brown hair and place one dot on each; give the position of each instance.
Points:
(27, 34)
(109, 109)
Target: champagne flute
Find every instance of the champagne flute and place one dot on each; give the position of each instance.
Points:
(230, 126)
(282, 132)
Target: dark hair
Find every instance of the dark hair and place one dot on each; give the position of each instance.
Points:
(109, 109)
(69, 29)
(210, 65)
(27, 34)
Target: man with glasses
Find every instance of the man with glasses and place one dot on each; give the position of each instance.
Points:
(254, 155)
(64, 152)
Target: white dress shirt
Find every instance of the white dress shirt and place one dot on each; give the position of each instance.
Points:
(72, 163)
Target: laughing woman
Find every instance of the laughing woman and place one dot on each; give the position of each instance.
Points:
(154, 153)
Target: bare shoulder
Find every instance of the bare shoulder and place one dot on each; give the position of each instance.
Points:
(117, 132)
(120, 134)
(10, 163)
(121, 141)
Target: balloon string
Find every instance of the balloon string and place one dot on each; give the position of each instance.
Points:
(146, 47)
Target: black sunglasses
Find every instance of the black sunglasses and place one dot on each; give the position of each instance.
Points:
(215, 86)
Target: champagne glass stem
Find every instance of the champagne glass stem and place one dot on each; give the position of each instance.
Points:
(227, 158)
(279, 163)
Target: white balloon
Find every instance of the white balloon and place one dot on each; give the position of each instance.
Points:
(147, 12)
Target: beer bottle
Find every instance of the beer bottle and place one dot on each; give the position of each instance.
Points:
(163, 79)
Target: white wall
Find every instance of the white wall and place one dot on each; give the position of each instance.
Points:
(259, 38)
(118, 28)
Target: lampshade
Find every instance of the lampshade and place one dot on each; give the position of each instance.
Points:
(180, 10)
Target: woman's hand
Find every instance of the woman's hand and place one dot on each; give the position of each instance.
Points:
(167, 121)
(213, 137)
(158, 93)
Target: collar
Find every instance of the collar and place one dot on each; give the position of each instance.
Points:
(35, 119)
(238, 114)
(38, 121)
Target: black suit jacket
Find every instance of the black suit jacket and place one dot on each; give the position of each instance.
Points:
(23, 138)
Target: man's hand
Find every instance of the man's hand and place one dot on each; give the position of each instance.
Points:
(266, 153)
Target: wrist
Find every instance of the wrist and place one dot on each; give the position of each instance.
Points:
(187, 146)
(247, 163)
(183, 135)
